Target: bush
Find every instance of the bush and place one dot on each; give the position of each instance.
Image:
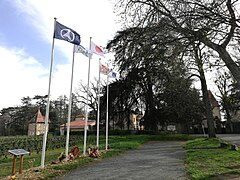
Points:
(145, 132)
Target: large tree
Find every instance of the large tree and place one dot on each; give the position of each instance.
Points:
(199, 58)
(214, 23)
(153, 70)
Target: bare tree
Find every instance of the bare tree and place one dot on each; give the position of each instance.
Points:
(81, 94)
(213, 23)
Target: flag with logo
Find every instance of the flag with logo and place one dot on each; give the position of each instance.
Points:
(104, 69)
(67, 34)
(96, 49)
(81, 49)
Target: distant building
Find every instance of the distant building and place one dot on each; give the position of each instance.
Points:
(234, 124)
(36, 124)
(136, 117)
(218, 124)
(77, 124)
(215, 106)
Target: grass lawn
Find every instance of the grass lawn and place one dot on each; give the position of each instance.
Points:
(205, 159)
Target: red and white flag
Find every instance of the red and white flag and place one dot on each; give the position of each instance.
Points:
(96, 49)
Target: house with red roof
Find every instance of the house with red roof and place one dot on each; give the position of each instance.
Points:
(77, 124)
(37, 124)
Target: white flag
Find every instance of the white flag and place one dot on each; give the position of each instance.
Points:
(81, 49)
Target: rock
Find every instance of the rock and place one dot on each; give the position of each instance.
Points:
(234, 147)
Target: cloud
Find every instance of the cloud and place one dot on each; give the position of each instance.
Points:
(21, 76)
(89, 18)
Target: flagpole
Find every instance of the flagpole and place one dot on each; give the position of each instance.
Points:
(70, 106)
(86, 109)
(98, 109)
(107, 115)
(48, 102)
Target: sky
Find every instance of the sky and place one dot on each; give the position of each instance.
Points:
(26, 35)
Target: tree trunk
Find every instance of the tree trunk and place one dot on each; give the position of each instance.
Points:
(207, 104)
(150, 122)
(208, 108)
(128, 120)
(229, 127)
(113, 123)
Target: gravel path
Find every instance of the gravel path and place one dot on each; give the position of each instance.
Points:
(162, 160)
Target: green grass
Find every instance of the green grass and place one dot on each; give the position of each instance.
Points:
(29, 161)
(171, 137)
(206, 160)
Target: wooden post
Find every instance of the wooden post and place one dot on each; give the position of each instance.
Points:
(15, 153)
(21, 163)
(14, 165)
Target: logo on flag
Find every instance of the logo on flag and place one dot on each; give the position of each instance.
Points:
(112, 74)
(64, 33)
(104, 69)
(96, 49)
(81, 49)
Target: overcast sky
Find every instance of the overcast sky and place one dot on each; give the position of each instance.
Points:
(26, 33)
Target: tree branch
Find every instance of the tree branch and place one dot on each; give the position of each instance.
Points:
(232, 23)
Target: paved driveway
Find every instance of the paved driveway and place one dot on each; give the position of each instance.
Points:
(233, 138)
(153, 161)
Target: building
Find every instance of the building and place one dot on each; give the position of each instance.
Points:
(216, 114)
(215, 106)
(135, 117)
(77, 124)
(37, 124)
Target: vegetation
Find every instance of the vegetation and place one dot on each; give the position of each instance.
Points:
(15, 120)
(55, 145)
(154, 79)
(34, 143)
(213, 23)
(118, 144)
(158, 33)
(206, 159)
